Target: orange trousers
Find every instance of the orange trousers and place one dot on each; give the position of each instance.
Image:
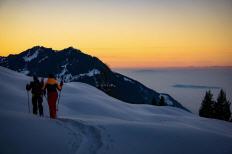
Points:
(52, 98)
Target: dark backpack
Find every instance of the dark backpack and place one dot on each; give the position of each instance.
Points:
(37, 88)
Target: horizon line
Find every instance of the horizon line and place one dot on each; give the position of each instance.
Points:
(126, 67)
(175, 67)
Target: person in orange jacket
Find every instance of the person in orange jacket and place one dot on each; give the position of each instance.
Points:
(51, 86)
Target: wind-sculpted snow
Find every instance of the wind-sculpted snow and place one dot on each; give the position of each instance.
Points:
(23, 133)
(91, 122)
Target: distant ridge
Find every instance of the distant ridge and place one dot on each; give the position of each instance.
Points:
(73, 65)
(195, 86)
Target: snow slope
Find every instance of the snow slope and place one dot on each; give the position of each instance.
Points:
(92, 122)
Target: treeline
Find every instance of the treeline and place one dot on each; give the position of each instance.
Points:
(160, 102)
(219, 109)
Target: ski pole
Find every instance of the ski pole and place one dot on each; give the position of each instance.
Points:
(58, 101)
(59, 96)
(28, 102)
(46, 98)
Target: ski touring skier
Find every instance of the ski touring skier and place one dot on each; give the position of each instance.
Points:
(36, 88)
(51, 87)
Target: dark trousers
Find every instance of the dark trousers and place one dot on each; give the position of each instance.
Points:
(37, 104)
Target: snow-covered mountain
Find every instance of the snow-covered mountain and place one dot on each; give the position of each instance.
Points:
(73, 65)
(91, 122)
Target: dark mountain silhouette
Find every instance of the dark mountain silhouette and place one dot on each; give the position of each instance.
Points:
(72, 65)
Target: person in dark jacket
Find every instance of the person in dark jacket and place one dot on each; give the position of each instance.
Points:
(36, 88)
(51, 86)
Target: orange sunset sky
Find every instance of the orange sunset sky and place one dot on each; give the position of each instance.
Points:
(123, 33)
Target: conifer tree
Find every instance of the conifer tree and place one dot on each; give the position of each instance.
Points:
(154, 102)
(162, 101)
(207, 106)
(222, 107)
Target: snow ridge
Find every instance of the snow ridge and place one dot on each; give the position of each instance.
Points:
(67, 77)
(44, 58)
(91, 73)
(29, 57)
(166, 99)
(128, 80)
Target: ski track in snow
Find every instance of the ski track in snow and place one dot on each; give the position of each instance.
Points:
(88, 138)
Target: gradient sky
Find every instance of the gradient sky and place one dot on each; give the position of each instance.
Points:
(123, 33)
